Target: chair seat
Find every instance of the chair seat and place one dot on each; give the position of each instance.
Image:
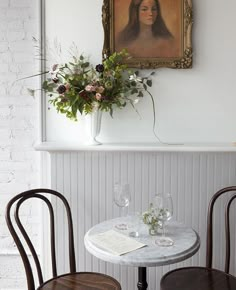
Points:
(81, 281)
(197, 278)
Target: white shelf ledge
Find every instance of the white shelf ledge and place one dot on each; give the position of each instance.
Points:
(138, 147)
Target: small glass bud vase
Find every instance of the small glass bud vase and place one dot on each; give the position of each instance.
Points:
(153, 230)
(151, 219)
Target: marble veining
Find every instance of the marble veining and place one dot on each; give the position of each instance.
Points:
(186, 244)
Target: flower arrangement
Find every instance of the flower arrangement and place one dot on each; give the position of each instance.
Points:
(78, 86)
(151, 218)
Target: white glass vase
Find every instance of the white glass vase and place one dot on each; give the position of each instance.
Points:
(94, 126)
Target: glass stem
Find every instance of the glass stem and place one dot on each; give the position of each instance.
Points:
(122, 211)
(163, 230)
(127, 210)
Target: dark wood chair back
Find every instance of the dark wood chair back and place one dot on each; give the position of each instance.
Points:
(210, 244)
(206, 278)
(16, 203)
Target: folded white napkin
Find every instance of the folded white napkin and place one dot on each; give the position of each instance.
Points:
(116, 243)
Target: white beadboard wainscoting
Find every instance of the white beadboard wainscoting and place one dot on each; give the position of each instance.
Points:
(86, 175)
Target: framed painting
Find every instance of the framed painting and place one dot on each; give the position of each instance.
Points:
(156, 33)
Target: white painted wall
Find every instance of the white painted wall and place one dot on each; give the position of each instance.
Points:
(86, 178)
(194, 105)
(19, 166)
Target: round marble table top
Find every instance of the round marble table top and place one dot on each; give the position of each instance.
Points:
(186, 244)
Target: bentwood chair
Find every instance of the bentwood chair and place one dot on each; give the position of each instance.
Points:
(206, 278)
(70, 281)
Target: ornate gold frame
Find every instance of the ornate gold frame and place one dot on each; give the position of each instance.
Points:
(182, 62)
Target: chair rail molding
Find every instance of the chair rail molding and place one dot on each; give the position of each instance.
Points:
(86, 174)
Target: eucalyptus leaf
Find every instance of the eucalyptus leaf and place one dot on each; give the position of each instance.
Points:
(140, 94)
(85, 65)
(134, 91)
(31, 92)
(45, 85)
(111, 112)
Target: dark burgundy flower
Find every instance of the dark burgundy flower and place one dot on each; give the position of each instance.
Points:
(61, 89)
(107, 97)
(84, 95)
(100, 68)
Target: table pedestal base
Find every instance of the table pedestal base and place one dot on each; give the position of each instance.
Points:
(142, 278)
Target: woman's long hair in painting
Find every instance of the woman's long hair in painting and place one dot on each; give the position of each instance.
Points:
(131, 31)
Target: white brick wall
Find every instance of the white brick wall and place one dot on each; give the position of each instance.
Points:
(19, 166)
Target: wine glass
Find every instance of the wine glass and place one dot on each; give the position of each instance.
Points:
(135, 224)
(122, 199)
(164, 206)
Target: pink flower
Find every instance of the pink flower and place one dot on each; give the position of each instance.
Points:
(98, 96)
(67, 86)
(90, 88)
(100, 89)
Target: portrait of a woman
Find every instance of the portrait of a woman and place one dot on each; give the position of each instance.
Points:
(146, 34)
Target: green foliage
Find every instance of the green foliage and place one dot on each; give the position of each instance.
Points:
(78, 86)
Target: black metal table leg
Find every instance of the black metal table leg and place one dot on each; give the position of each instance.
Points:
(142, 278)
